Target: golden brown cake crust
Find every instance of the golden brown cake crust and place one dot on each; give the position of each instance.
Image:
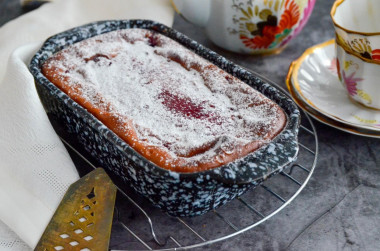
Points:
(173, 107)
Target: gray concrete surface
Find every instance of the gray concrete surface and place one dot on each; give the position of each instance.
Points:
(338, 210)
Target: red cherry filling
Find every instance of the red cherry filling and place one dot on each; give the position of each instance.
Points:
(96, 57)
(183, 105)
(153, 40)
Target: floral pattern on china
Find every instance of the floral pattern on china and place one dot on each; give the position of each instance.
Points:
(269, 24)
(350, 81)
(361, 47)
(351, 86)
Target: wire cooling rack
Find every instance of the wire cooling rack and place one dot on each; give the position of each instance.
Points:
(139, 226)
(258, 205)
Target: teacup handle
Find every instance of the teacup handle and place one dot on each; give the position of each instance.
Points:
(193, 11)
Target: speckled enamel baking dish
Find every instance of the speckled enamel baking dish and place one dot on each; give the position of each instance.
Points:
(179, 194)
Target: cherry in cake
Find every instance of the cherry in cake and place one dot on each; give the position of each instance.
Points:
(175, 108)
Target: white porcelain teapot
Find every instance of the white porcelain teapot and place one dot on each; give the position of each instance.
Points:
(248, 26)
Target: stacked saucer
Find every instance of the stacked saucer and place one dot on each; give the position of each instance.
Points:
(314, 85)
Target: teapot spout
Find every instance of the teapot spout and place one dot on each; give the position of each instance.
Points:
(194, 11)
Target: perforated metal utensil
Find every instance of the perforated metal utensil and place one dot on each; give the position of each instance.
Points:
(83, 219)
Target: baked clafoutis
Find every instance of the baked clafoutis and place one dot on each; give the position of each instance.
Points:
(178, 123)
(175, 108)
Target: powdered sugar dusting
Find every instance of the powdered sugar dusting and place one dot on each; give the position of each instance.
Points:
(175, 99)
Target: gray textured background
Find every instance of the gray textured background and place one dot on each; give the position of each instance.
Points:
(340, 207)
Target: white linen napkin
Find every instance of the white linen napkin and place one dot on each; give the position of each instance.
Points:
(35, 169)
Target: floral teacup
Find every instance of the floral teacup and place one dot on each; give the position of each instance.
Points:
(357, 30)
(248, 26)
(360, 77)
(357, 27)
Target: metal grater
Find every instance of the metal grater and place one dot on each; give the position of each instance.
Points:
(83, 219)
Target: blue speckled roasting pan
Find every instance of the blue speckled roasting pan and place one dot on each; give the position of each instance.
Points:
(178, 194)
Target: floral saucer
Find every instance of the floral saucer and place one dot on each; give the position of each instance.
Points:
(313, 82)
(326, 120)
